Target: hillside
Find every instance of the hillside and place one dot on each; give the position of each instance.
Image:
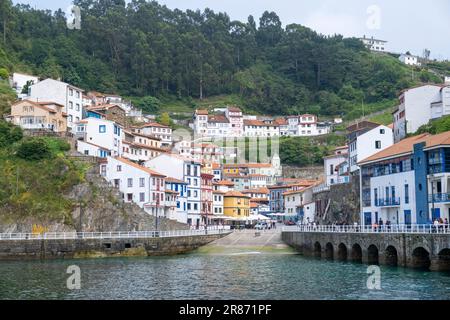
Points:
(175, 61)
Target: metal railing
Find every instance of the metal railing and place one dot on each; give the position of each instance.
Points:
(388, 202)
(401, 228)
(114, 234)
(439, 197)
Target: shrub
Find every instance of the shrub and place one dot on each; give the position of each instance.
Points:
(9, 134)
(34, 149)
(4, 74)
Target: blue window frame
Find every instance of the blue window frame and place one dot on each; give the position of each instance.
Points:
(102, 128)
(406, 193)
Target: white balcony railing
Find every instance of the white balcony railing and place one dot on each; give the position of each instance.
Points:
(403, 228)
(212, 230)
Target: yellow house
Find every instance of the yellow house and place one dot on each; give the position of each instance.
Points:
(39, 115)
(236, 205)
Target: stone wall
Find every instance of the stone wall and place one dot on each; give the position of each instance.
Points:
(402, 249)
(309, 173)
(93, 248)
(340, 204)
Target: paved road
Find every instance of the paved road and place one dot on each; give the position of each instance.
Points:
(248, 241)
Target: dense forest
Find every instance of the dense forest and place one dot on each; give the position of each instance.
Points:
(145, 50)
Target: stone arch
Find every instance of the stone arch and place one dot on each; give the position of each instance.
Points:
(317, 249)
(342, 253)
(391, 256)
(356, 254)
(444, 260)
(372, 255)
(329, 251)
(420, 258)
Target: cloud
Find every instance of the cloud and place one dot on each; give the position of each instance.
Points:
(334, 23)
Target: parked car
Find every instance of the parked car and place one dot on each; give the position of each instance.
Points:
(289, 223)
(261, 226)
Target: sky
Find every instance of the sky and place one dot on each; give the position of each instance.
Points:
(406, 25)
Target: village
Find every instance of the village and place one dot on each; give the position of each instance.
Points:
(195, 182)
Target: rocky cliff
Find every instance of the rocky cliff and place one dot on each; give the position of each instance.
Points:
(101, 208)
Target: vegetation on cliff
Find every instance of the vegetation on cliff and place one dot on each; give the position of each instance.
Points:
(35, 176)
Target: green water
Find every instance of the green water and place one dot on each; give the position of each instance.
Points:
(200, 276)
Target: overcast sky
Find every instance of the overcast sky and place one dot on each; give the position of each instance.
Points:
(407, 25)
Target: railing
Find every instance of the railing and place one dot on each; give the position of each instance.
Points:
(403, 228)
(388, 202)
(439, 197)
(213, 230)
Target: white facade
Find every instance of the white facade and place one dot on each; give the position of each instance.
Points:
(137, 184)
(157, 130)
(99, 134)
(188, 171)
(19, 80)
(218, 202)
(442, 107)
(414, 110)
(409, 60)
(256, 128)
(330, 164)
(368, 144)
(374, 44)
(234, 115)
(447, 80)
(60, 92)
(177, 206)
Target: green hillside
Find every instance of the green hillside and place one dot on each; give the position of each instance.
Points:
(176, 61)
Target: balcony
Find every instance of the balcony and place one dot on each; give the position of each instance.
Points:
(388, 202)
(439, 197)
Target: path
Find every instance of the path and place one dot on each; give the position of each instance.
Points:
(249, 242)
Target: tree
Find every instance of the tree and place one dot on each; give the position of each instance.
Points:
(34, 149)
(164, 119)
(9, 134)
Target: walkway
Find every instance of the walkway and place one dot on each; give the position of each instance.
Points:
(249, 241)
(420, 229)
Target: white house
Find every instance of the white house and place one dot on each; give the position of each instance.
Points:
(441, 107)
(409, 59)
(137, 184)
(407, 183)
(376, 45)
(188, 171)
(99, 137)
(331, 165)
(365, 139)
(176, 200)
(158, 130)
(63, 93)
(218, 202)
(261, 128)
(299, 204)
(234, 115)
(414, 109)
(20, 80)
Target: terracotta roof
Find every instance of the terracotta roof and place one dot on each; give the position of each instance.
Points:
(218, 118)
(49, 103)
(234, 109)
(236, 194)
(259, 190)
(219, 192)
(259, 199)
(202, 112)
(224, 183)
(390, 126)
(259, 123)
(143, 135)
(215, 166)
(42, 105)
(404, 147)
(153, 124)
(171, 191)
(144, 146)
(253, 205)
(281, 121)
(362, 125)
(173, 180)
(135, 165)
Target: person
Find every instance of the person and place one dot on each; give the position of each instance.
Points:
(435, 225)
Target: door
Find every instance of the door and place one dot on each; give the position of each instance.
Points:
(367, 218)
(408, 217)
(436, 214)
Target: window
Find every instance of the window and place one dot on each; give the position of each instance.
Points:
(331, 169)
(77, 107)
(71, 92)
(406, 193)
(141, 197)
(130, 182)
(70, 105)
(119, 168)
(102, 128)
(377, 144)
(382, 131)
(142, 182)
